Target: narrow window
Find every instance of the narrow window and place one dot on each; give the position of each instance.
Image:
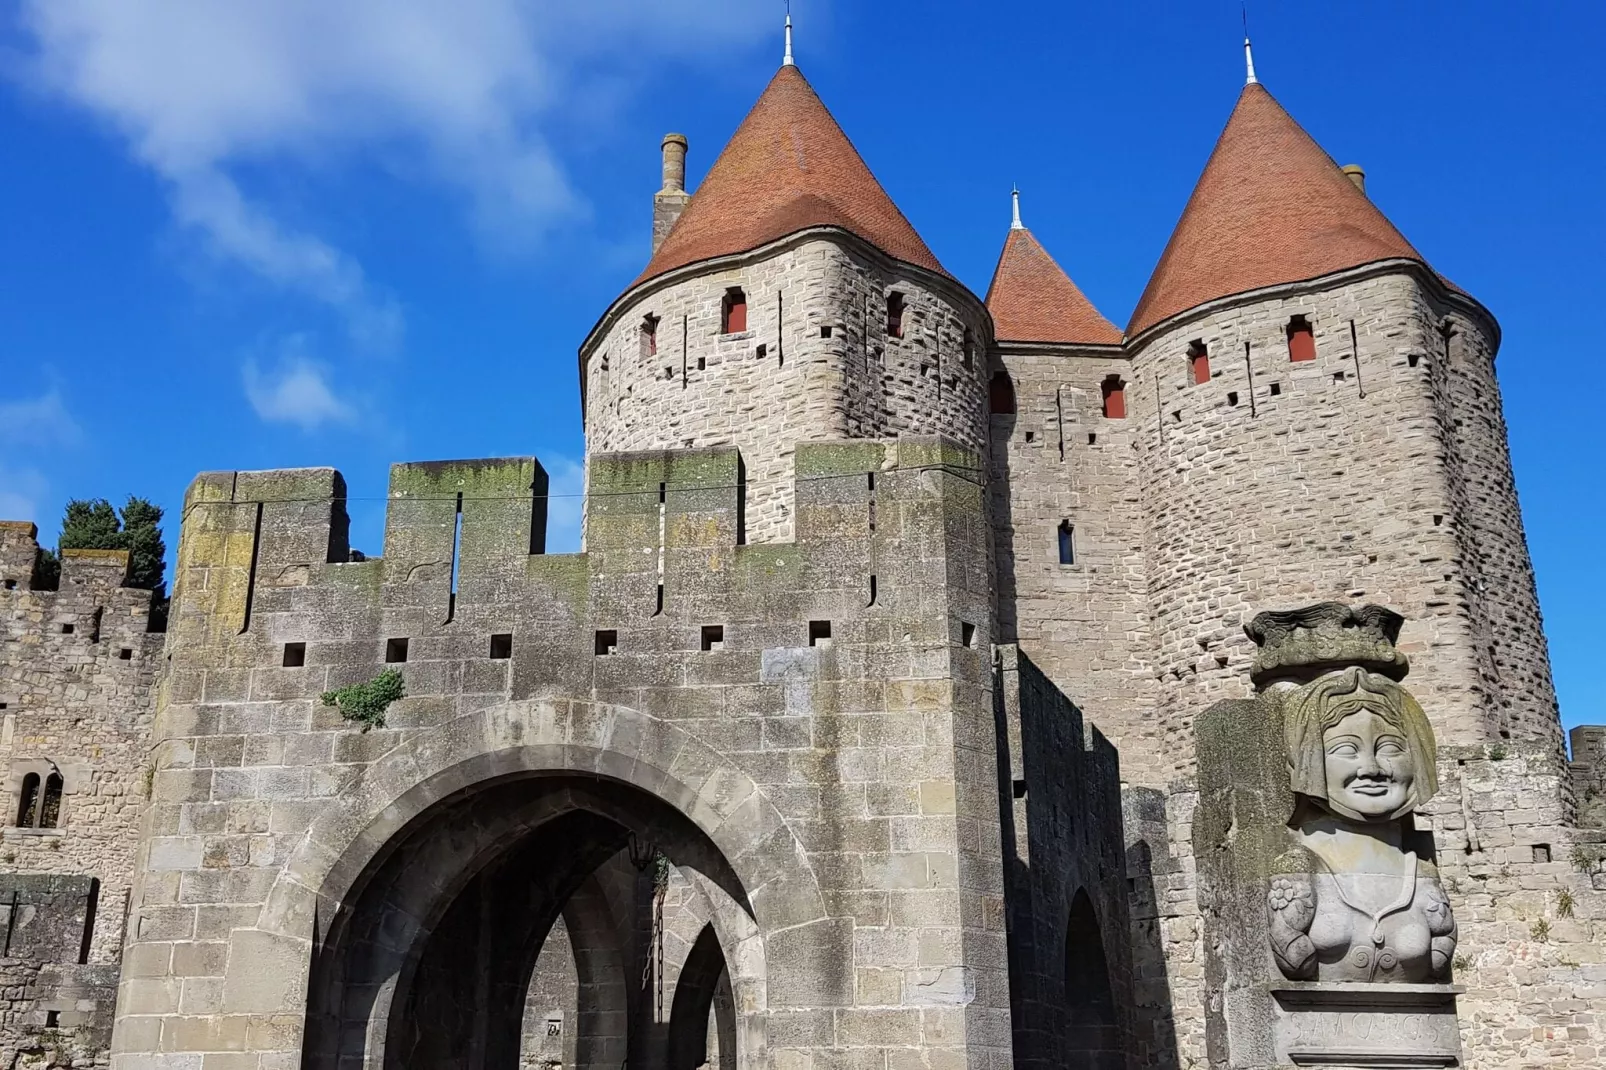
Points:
(1199, 363)
(395, 650)
(50, 809)
(1114, 390)
(28, 806)
(295, 655)
(713, 637)
(501, 646)
(733, 314)
(967, 633)
(1301, 340)
(1067, 540)
(895, 306)
(649, 336)
(607, 641)
(1001, 395)
(968, 348)
(819, 633)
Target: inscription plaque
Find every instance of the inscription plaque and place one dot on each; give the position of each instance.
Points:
(1357, 1024)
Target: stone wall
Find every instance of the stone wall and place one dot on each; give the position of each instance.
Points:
(812, 722)
(1059, 459)
(1588, 742)
(1529, 893)
(78, 667)
(815, 363)
(1069, 957)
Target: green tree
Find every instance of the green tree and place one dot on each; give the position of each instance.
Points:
(92, 524)
(142, 538)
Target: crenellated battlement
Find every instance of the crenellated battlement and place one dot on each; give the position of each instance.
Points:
(90, 601)
(891, 539)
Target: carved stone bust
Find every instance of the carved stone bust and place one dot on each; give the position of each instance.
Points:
(1356, 897)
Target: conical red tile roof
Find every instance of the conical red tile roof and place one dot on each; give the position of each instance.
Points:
(788, 167)
(1271, 207)
(1033, 300)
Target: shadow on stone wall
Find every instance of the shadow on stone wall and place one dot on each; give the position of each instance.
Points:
(1147, 855)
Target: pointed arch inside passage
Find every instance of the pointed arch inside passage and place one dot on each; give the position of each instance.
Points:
(1093, 1028)
(703, 1010)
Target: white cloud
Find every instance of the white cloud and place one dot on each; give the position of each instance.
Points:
(297, 392)
(40, 421)
(467, 93)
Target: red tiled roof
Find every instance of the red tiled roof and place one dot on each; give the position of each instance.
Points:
(1033, 300)
(1271, 207)
(788, 167)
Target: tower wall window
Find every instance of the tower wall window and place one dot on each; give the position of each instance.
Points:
(649, 336)
(1114, 390)
(1199, 363)
(895, 309)
(733, 315)
(28, 803)
(1001, 395)
(50, 808)
(1067, 543)
(1301, 339)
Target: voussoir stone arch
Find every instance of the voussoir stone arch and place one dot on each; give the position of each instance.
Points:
(553, 737)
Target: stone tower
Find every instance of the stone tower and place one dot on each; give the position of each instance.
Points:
(791, 302)
(1320, 420)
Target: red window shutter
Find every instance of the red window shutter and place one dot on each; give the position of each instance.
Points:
(1115, 399)
(1301, 342)
(1201, 368)
(736, 313)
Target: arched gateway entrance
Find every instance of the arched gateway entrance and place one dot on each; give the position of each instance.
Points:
(461, 853)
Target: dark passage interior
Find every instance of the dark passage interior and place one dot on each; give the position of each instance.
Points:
(435, 961)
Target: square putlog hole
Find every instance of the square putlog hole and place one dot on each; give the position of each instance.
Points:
(607, 641)
(295, 655)
(819, 633)
(713, 637)
(125, 654)
(967, 633)
(501, 646)
(395, 651)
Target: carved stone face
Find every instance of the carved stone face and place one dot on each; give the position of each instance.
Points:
(1369, 766)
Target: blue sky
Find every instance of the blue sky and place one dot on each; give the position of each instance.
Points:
(349, 232)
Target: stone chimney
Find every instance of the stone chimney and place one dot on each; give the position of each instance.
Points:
(669, 202)
(1356, 173)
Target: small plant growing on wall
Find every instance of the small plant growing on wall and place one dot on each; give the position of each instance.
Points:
(1564, 904)
(1540, 930)
(1586, 858)
(1463, 961)
(365, 703)
(1497, 752)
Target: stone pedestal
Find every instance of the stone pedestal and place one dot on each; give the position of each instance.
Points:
(1354, 1024)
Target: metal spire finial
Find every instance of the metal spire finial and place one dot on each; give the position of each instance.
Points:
(1016, 224)
(1249, 55)
(787, 60)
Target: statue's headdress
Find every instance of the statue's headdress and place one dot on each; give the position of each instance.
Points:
(1298, 645)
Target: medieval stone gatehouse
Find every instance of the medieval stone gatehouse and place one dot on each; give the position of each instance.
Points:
(899, 711)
